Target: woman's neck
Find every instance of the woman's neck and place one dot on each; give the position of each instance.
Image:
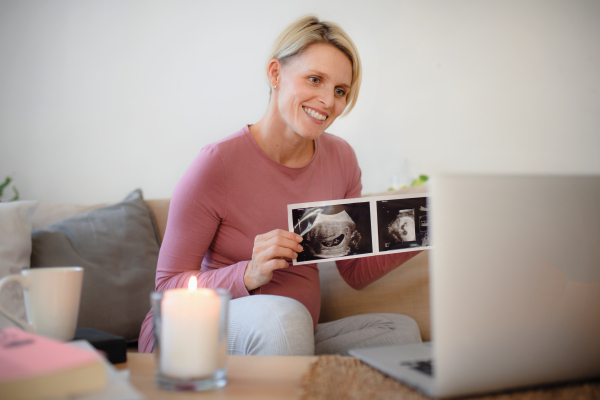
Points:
(280, 143)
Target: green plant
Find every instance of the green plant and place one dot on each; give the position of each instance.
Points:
(420, 181)
(5, 185)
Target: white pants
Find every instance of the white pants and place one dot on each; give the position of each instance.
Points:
(276, 325)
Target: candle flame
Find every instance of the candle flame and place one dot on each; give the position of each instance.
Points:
(193, 283)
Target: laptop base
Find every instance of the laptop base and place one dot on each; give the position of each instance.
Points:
(401, 363)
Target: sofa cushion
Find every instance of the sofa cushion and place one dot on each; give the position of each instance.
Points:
(15, 251)
(160, 210)
(117, 246)
(47, 214)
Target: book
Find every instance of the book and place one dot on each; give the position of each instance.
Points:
(113, 346)
(34, 367)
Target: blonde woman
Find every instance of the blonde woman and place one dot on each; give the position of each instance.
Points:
(228, 215)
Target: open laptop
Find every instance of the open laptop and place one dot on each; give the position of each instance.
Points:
(515, 286)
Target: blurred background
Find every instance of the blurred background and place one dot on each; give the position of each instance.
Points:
(100, 97)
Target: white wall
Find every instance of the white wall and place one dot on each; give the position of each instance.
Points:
(100, 97)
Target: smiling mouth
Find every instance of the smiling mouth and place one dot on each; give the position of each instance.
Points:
(314, 114)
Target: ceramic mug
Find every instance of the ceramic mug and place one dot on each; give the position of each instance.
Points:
(52, 298)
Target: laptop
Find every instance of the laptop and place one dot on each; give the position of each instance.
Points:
(515, 287)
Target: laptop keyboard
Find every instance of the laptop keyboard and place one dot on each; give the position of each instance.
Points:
(425, 366)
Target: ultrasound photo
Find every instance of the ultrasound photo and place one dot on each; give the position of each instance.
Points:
(333, 231)
(402, 223)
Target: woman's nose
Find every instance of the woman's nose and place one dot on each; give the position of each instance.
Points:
(327, 97)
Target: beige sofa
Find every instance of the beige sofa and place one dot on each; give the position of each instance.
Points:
(405, 290)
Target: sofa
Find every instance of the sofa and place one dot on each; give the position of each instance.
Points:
(405, 290)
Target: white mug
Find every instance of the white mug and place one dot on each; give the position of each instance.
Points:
(52, 298)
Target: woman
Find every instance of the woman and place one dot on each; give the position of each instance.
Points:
(228, 216)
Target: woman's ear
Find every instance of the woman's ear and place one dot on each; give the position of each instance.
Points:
(274, 72)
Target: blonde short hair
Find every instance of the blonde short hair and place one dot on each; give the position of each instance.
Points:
(308, 30)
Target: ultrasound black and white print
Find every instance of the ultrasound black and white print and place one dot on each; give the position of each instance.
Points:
(402, 223)
(351, 228)
(333, 231)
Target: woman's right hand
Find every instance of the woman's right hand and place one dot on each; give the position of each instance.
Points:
(271, 251)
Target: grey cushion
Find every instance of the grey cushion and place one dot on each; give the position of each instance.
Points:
(118, 248)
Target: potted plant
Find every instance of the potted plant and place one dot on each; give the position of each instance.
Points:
(4, 185)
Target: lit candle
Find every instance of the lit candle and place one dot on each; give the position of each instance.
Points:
(190, 332)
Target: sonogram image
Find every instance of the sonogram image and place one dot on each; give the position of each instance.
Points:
(402, 223)
(403, 227)
(333, 231)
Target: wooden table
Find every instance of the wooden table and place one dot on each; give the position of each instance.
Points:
(249, 377)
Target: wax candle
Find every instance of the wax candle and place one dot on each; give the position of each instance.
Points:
(190, 332)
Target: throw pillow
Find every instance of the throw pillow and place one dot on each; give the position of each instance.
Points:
(117, 246)
(15, 251)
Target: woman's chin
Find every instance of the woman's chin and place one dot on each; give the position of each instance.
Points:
(311, 132)
(312, 136)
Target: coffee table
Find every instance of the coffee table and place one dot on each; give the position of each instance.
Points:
(250, 377)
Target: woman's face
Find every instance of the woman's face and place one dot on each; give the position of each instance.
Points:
(312, 89)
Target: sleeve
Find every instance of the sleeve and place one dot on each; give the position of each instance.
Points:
(198, 205)
(360, 272)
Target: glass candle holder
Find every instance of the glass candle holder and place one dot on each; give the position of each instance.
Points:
(190, 331)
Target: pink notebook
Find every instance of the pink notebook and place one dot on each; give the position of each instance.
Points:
(24, 355)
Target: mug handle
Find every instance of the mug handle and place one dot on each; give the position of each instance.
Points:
(24, 282)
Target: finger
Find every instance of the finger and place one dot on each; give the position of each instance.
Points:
(285, 243)
(277, 263)
(285, 234)
(268, 267)
(280, 252)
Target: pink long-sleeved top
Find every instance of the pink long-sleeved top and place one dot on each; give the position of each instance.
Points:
(233, 192)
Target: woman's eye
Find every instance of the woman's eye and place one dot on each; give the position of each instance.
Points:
(340, 92)
(314, 79)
